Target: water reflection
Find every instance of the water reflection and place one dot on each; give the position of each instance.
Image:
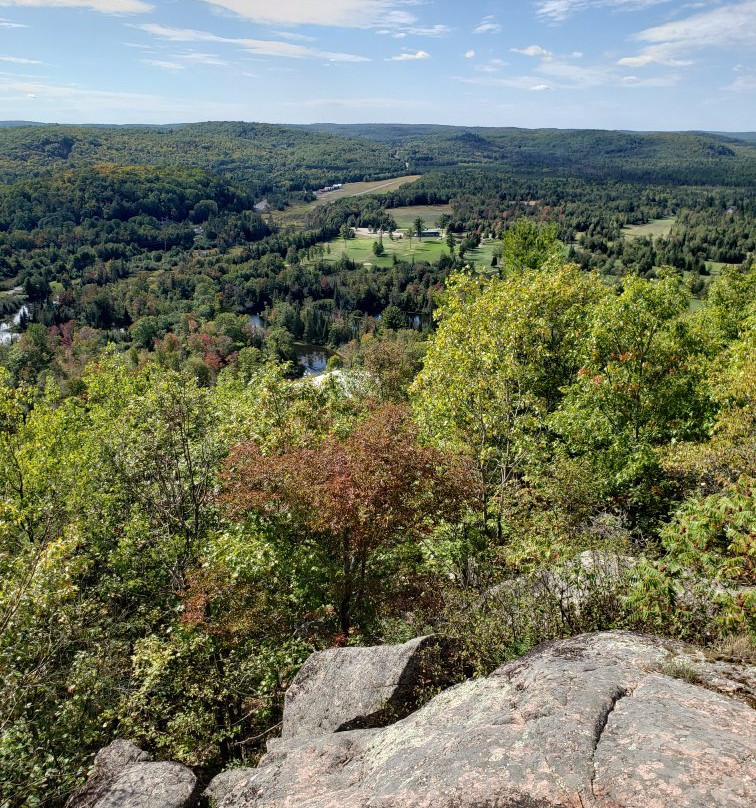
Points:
(8, 330)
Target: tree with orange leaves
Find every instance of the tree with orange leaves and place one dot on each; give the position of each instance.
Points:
(354, 498)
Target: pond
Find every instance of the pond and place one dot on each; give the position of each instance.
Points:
(313, 358)
(7, 329)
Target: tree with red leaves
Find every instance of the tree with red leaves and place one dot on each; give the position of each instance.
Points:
(356, 497)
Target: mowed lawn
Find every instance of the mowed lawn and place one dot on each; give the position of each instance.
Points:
(654, 228)
(360, 250)
(405, 217)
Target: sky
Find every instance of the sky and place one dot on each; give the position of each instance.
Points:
(608, 64)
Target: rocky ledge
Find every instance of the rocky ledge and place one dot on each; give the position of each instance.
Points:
(614, 720)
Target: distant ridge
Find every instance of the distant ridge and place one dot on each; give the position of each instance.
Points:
(11, 124)
(386, 130)
(750, 136)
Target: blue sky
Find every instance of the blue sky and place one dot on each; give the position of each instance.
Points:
(613, 64)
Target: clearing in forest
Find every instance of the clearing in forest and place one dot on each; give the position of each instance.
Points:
(654, 228)
(296, 213)
(405, 217)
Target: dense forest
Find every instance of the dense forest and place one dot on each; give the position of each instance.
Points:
(183, 519)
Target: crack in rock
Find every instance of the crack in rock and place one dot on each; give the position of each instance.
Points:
(600, 726)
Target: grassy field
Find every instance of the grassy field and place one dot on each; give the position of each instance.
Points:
(655, 228)
(296, 213)
(404, 217)
(360, 249)
(715, 267)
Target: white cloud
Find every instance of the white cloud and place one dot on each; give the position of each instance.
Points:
(9, 24)
(725, 27)
(470, 54)
(653, 56)
(18, 60)
(430, 30)
(262, 47)
(103, 6)
(294, 37)
(410, 56)
(532, 50)
(560, 10)
(539, 88)
(487, 25)
(728, 28)
(654, 81)
(202, 59)
(339, 13)
(165, 65)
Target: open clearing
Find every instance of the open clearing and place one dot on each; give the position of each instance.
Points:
(405, 217)
(654, 228)
(296, 213)
(360, 249)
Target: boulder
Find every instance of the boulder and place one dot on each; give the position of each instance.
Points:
(124, 777)
(222, 783)
(613, 720)
(354, 688)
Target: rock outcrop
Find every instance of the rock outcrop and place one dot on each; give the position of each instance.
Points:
(615, 720)
(608, 720)
(354, 688)
(124, 777)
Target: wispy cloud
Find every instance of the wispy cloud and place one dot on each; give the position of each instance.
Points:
(539, 88)
(415, 30)
(162, 63)
(294, 37)
(743, 84)
(262, 47)
(209, 59)
(410, 56)
(19, 60)
(103, 6)
(532, 50)
(487, 25)
(9, 24)
(491, 66)
(729, 27)
(74, 103)
(338, 13)
(560, 10)
(653, 56)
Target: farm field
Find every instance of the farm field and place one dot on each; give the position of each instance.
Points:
(655, 228)
(296, 213)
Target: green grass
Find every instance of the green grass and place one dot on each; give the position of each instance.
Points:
(360, 249)
(654, 228)
(405, 217)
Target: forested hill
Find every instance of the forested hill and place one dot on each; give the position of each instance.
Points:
(274, 159)
(676, 157)
(266, 157)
